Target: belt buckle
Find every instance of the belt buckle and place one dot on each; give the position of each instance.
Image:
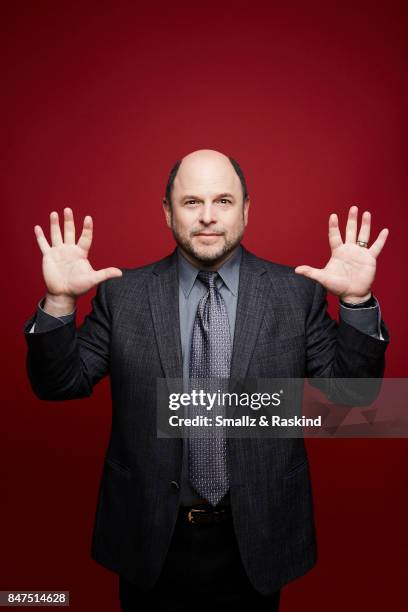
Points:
(215, 516)
(192, 511)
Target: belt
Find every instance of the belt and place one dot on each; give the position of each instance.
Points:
(205, 515)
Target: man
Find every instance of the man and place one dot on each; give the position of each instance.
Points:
(226, 521)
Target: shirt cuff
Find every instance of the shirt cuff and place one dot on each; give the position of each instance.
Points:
(45, 321)
(366, 318)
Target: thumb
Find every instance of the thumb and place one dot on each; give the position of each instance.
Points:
(309, 272)
(105, 273)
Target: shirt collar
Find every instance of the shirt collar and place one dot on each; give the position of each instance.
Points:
(229, 272)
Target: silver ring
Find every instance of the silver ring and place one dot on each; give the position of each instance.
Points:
(362, 244)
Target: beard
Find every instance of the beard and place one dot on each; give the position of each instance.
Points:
(210, 254)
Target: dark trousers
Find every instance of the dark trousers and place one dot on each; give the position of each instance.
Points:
(202, 571)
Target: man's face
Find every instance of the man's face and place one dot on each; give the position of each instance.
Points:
(207, 215)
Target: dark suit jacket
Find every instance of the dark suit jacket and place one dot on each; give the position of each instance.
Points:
(132, 334)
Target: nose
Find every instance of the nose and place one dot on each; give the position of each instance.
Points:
(207, 214)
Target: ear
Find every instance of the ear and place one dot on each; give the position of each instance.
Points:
(167, 211)
(246, 210)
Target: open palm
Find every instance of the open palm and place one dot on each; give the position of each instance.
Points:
(350, 272)
(66, 267)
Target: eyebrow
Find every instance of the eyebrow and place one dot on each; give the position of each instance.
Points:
(193, 197)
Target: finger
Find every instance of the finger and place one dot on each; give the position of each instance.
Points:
(364, 233)
(314, 273)
(41, 239)
(351, 226)
(69, 226)
(377, 246)
(334, 232)
(85, 239)
(101, 275)
(55, 231)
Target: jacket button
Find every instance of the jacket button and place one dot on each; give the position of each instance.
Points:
(175, 484)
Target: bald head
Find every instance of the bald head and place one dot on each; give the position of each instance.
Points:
(205, 156)
(205, 168)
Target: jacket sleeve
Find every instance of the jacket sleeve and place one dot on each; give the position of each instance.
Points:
(44, 321)
(338, 354)
(64, 362)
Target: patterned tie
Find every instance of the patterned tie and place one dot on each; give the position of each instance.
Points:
(210, 357)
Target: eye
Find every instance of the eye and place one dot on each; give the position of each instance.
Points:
(191, 202)
(223, 200)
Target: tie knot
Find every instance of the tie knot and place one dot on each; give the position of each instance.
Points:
(208, 278)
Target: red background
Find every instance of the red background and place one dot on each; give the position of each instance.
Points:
(101, 98)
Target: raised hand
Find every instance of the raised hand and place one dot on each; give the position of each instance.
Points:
(66, 268)
(350, 272)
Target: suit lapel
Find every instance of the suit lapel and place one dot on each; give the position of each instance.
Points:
(253, 294)
(164, 304)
